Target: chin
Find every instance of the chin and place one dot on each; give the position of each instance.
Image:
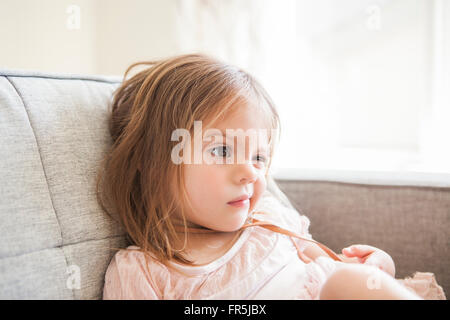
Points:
(228, 226)
(232, 227)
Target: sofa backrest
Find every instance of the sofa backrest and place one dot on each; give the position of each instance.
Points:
(55, 239)
(411, 223)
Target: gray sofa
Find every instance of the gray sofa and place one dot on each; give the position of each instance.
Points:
(56, 242)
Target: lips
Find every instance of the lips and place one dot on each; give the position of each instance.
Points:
(243, 197)
(240, 202)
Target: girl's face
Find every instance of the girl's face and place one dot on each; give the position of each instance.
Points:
(211, 188)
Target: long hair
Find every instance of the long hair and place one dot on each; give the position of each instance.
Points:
(138, 178)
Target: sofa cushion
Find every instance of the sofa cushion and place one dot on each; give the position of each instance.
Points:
(53, 134)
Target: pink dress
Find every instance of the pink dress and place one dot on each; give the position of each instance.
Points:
(261, 264)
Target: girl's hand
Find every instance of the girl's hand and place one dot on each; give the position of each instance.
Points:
(369, 255)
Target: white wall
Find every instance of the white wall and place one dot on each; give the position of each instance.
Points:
(44, 35)
(130, 31)
(34, 35)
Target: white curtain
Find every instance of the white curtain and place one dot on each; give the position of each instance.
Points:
(257, 35)
(231, 30)
(435, 133)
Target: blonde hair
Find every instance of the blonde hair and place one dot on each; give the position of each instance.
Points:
(172, 93)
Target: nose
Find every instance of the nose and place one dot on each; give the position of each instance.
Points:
(246, 173)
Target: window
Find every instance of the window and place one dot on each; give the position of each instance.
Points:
(361, 86)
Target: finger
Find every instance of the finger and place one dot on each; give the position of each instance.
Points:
(363, 251)
(348, 252)
(370, 259)
(358, 250)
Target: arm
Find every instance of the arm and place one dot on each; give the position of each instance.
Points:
(313, 251)
(361, 254)
(125, 279)
(352, 282)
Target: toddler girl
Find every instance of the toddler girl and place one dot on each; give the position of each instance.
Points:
(188, 180)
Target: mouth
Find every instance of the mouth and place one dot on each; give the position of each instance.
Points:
(240, 202)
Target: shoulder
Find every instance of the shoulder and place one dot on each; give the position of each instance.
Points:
(126, 260)
(127, 276)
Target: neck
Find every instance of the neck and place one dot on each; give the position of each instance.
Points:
(190, 227)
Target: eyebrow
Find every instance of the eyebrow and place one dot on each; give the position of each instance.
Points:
(214, 135)
(223, 133)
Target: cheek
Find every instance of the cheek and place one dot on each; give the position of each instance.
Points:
(259, 188)
(203, 183)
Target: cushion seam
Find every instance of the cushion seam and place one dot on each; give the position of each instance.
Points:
(59, 247)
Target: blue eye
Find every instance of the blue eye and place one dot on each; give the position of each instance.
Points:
(260, 158)
(223, 151)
